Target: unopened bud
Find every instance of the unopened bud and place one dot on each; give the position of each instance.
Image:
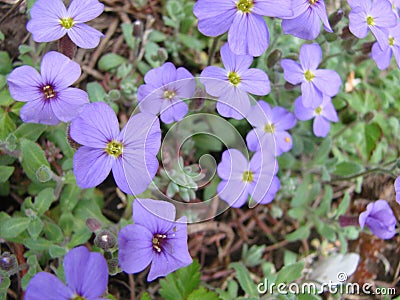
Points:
(348, 221)
(330, 36)
(366, 47)
(105, 240)
(113, 267)
(93, 225)
(369, 116)
(162, 55)
(288, 86)
(43, 174)
(336, 17)
(114, 95)
(71, 142)
(8, 263)
(274, 57)
(66, 46)
(11, 142)
(138, 29)
(346, 34)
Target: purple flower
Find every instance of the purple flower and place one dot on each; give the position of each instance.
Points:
(270, 128)
(323, 115)
(383, 56)
(50, 21)
(306, 23)
(130, 154)
(397, 189)
(273, 189)
(48, 95)
(163, 91)
(233, 83)
(154, 238)
(241, 178)
(243, 19)
(315, 83)
(86, 274)
(380, 219)
(376, 16)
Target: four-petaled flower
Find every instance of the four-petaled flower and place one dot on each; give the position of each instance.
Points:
(379, 218)
(271, 125)
(48, 95)
(164, 90)
(86, 274)
(130, 154)
(241, 178)
(243, 19)
(376, 16)
(232, 84)
(322, 114)
(156, 238)
(383, 55)
(50, 21)
(315, 83)
(306, 23)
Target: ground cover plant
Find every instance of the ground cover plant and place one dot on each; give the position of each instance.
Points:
(201, 149)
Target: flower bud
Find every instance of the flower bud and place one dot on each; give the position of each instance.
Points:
(93, 225)
(113, 266)
(43, 174)
(105, 240)
(71, 142)
(366, 47)
(274, 57)
(8, 263)
(66, 46)
(336, 17)
(138, 29)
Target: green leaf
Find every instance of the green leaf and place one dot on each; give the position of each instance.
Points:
(13, 227)
(30, 131)
(245, 281)
(59, 137)
(348, 168)
(38, 245)
(373, 133)
(323, 151)
(53, 232)
(57, 251)
(325, 204)
(95, 91)
(7, 125)
(300, 233)
(35, 228)
(145, 296)
(43, 201)
(202, 294)
(69, 197)
(66, 223)
(5, 173)
(110, 61)
(89, 209)
(5, 63)
(290, 273)
(179, 284)
(33, 158)
(127, 31)
(344, 204)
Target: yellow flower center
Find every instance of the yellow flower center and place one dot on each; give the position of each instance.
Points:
(114, 148)
(157, 240)
(269, 128)
(391, 41)
(67, 22)
(48, 91)
(77, 297)
(245, 6)
(234, 78)
(169, 94)
(370, 21)
(287, 139)
(248, 176)
(318, 110)
(308, 75)
(312, 2)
